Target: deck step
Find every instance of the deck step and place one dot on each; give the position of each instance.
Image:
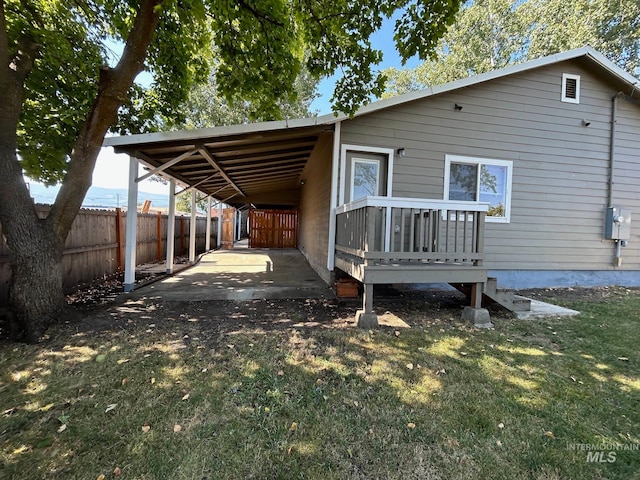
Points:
(502, 296)
(506, 297)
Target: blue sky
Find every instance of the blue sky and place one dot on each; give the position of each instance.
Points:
(382, 40)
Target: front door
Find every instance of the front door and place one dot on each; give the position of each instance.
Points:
(366, 175)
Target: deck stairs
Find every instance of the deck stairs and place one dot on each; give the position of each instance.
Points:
(502, 296)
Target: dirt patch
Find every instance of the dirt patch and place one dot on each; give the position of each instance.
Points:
(101, 310)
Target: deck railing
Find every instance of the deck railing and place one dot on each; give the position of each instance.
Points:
(391, 229)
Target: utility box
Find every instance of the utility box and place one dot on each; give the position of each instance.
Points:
(617, 224)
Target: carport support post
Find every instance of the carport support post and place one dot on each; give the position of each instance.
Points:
(192, 228)
(207, 242)
(132, 226)
(171, 226)
(219, 239)
(366, 318)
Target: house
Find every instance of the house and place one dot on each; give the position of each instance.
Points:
(528, 175)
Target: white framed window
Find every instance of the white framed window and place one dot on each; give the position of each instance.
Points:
(570, 88)
(365, 178)
(480, 180)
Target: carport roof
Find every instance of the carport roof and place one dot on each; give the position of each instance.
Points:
(252, 163)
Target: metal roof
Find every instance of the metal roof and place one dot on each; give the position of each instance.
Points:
(261, 162)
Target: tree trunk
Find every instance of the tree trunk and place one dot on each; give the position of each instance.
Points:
(36, 297)
(36, 245)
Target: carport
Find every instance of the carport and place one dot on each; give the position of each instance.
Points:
(253, 165)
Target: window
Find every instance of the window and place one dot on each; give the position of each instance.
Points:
(570, 88)
(365, 178)
(480, 180)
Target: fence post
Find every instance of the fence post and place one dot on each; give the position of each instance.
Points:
(181, 235)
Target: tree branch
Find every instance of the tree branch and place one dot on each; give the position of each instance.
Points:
(113, 86)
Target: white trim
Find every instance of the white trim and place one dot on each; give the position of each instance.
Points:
(482, 161)
(345, 148)
(563, 97)
(333, 202)
(355, 160)
(417, 203)
(132, 226)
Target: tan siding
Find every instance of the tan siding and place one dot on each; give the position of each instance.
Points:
(315, 207)
(560, 167)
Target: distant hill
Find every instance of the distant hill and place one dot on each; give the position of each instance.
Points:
(98, 197)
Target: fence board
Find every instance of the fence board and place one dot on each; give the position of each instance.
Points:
(95, 244)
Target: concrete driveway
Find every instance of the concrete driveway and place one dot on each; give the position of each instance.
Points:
(242, 274)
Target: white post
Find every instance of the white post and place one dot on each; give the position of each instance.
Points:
(219, 241)
(192, 228)
(207, 243)
(333, 201)
(171, 226)
(132, 226)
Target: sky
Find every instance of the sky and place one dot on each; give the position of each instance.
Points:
(112, 169)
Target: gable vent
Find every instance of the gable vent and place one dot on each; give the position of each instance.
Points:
(570, 88)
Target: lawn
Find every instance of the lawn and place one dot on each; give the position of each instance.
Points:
(292, 390)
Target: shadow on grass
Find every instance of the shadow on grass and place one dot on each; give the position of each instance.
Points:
(289, 389)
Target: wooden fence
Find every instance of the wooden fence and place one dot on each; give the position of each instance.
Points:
(95, 246)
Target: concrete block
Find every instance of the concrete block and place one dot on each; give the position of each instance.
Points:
(366, 320)
(479, 316)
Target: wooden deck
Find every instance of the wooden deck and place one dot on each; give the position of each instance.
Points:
(404, 240)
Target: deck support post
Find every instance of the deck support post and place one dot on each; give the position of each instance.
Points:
(366, 318)
(475, 313)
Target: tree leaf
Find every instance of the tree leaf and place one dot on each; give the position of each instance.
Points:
(110, 407)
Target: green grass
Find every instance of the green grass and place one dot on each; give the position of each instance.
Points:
(439, 400)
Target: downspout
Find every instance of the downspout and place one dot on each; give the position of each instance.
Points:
(617, 262)
(612, 147)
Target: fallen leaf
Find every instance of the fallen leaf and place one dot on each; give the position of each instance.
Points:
(573, 378)
(100, 477)
(153, 380)
(267, 409)
(117, 472)
(293, 427)
(110, 407)
(501, 425)
(624, 359)
(397, 333)
(280, 373)
(185, 396)
(464, 354)
(499, 443)
(289, 450)
(146, 427)
(62, 428)
(101, 358)
(409, 366)
(124, 381)
(177, 428)
(411, 425)
(319, 381)
(550, 434)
